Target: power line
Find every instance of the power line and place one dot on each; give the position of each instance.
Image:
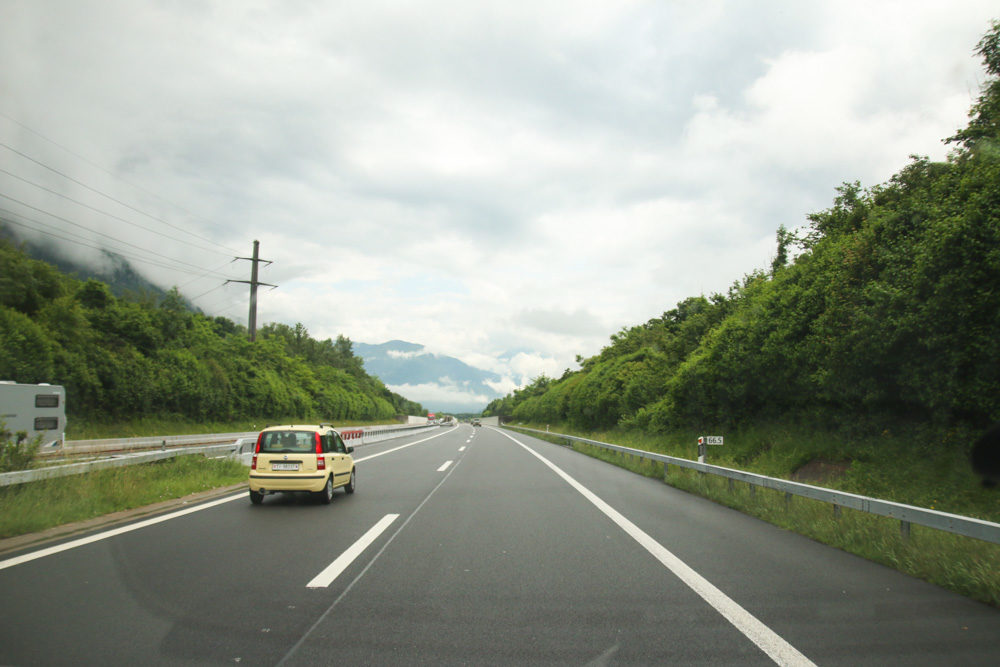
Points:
(97, 210)
(70, 222)
(88, 245)
(115, 176)
(226, 305)
(195, 298)
(114, 251)
(215, 271)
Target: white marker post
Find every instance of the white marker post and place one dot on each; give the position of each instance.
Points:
(703, 442)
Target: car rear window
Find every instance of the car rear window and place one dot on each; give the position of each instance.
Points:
(286, 442)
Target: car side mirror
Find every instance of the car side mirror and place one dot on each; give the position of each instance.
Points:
(350, 450)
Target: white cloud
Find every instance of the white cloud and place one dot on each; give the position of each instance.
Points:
(476, 178)
(503, 386)
(432, 394)
(400, 354)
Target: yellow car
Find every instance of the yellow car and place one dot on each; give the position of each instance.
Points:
(313, 459)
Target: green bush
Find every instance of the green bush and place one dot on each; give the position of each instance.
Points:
(17, 452)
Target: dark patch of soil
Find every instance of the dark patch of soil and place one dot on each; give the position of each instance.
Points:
(819, 471)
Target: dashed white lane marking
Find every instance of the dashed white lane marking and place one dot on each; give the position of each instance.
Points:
(364, 570)
(445, 466)
(41, 553)
(333, 570)
(764, 637)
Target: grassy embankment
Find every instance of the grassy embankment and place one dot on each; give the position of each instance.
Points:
(82, 429)
(913, 468)
(28, 508)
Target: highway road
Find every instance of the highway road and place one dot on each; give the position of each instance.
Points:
(475, 546)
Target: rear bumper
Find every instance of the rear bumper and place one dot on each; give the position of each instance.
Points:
(273, 482)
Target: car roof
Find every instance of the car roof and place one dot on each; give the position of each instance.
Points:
(300, 427)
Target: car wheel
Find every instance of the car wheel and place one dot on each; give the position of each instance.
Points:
(326, 495)
(351, 484)
(256, 497)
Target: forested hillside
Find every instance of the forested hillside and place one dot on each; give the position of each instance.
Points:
(123, 359)
(889, 313)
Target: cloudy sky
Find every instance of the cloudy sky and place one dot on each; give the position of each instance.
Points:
(507, 183)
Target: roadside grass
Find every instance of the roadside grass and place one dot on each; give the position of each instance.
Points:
(909, 466)
(36, 506)
(79, 428)
(931, 479)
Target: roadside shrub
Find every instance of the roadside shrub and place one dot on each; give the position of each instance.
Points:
(16, 451)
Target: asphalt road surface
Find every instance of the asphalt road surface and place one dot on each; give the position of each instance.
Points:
(474, 546)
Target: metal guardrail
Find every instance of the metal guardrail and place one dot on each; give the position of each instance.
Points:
(367, 435)
(906, 514)
(242, 444)
(76, 447)
(36, 474)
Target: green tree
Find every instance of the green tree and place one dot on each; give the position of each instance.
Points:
(983, 129)
(26, 355)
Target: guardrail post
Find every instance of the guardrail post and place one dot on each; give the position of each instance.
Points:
(666, 470)
(753, 490)
(904, 530)
(730, 484)
(836, 511)
(788, 500)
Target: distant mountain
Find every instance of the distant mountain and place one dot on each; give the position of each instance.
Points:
(440, 383)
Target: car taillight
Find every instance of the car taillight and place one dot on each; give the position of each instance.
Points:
(320, 461)
(256, 450)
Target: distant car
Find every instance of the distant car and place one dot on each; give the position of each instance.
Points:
(311, 459)
(475, 422)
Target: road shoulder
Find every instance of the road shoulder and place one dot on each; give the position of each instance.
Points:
(42, 538)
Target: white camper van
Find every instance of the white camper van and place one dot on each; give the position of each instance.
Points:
(35, 409)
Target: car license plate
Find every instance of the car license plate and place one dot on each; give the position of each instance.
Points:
(285, 466)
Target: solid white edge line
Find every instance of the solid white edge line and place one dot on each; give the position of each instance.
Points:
(764, 637)
(97, 537)
(445, 466)
(41, 553)
(334, 569)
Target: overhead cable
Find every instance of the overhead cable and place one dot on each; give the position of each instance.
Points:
(94, 231)
(97, 210)
(113, 175)
(121, 255)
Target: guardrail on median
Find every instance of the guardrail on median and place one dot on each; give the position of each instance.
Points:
(366, 434)
(906, 514)
(242, 444)
(35, 474)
